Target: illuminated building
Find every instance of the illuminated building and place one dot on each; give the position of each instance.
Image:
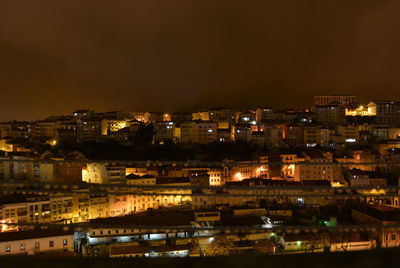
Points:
(103, 174)
(15, 129)
(343, 100)
(241, 132)
(216, 174)
(313, 136)
(66, 135)
(38, 210)
(62, 209)
(247, 118)
(203, 116)
(66, 129)
(177, 134)
(358, 158)
(347, 134)
(164, 131)
(288, 168)
(37, 241)
(231, 196)
(318, 166)
(224, 135)
(9, 145)
(108, 126)
(88, 130)
(118, 205)
(198, 132)
(387, 113)
(388, 146)
(99, 206)
(222, 115)
(223, 125)
(180, 117)
(360, 177)
(368, 110)
(14, 170)
(133, 179)
(386, 133)
(69, 171)
(44, 129)
(44, 172)
(12, 211)
(304, 242)
(330, 114)
(199, 177)
(155, 251)
(142, 171)
(166, 117)
(88, 125)
(264, 114)
(143, 117)
(250, 169)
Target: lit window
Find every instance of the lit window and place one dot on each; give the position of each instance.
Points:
(37, 245)
(65, 242)
(22, 247)
(8, 248)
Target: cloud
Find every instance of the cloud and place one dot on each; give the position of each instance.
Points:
(56, 56)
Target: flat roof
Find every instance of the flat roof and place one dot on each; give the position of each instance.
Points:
(119, 250)
(151, 218)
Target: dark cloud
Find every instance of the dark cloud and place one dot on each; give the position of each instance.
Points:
(56, 56)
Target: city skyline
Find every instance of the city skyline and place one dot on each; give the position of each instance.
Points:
(357, 103)
(177, 129)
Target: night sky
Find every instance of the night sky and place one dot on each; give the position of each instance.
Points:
(169, 55)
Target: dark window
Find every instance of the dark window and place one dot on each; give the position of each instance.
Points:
(51, 244)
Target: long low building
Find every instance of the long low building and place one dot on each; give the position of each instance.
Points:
(37, 242)
(155, 251)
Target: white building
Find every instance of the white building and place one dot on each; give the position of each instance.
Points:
(36, 241)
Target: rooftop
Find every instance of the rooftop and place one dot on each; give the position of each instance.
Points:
(122, 250)
(32, 234)
(153, 218)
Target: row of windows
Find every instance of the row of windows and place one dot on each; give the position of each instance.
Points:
(110, 232)
(22, 246)
(393, 237)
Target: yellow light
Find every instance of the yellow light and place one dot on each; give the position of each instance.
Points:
(238, 176)
(377, 191)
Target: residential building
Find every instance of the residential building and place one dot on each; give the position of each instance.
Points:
(33, 242)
